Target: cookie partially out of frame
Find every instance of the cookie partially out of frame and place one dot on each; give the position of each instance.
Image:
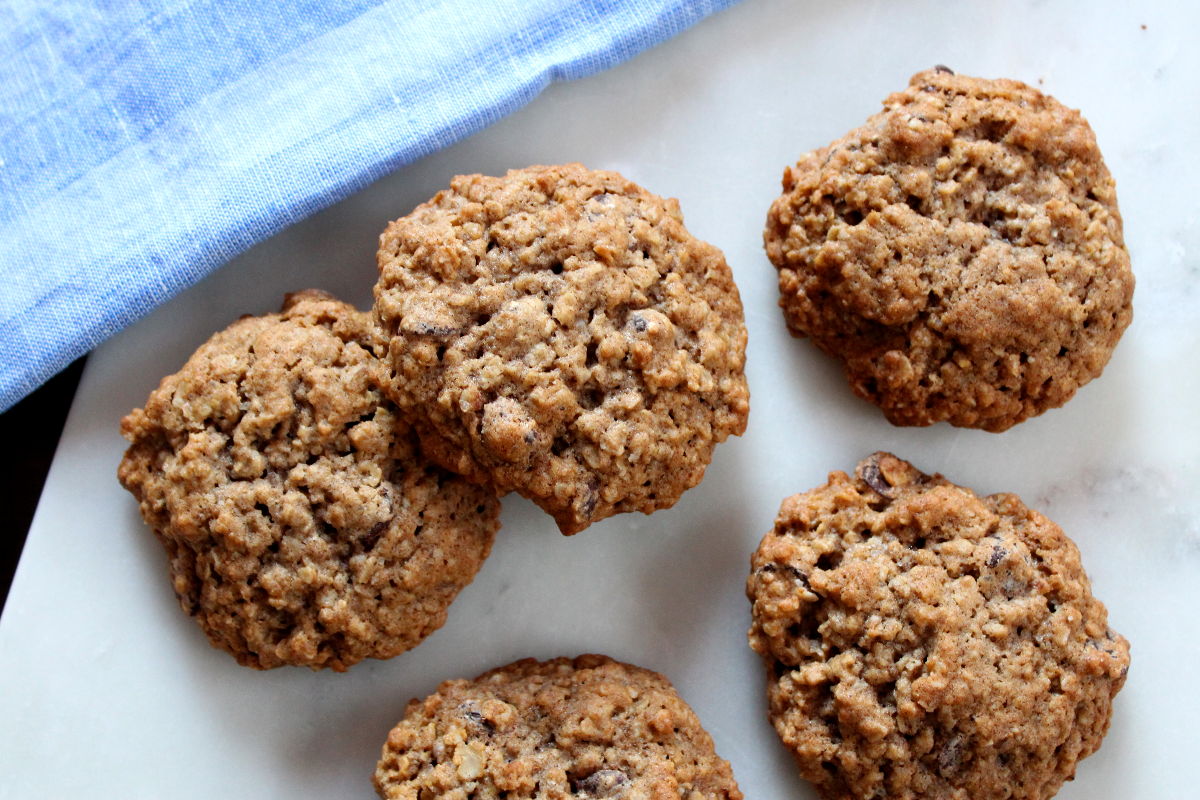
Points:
(566, 729)
(562, 335)
(961, 253)
(301, 524)
(924, 642)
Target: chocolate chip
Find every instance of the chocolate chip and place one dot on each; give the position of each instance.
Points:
(601, 783)
(943, 68)
(477, 719)
(871, 475)
(639, 324)
(372, 538)
(950, 757)
(997, 555)
(589, 503)
(428, 329)
(471, 714)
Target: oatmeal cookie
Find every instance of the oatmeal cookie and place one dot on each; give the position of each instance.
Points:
(961, 253)
(301, 524)
(924, 642)
(556, 730)
(562, 335)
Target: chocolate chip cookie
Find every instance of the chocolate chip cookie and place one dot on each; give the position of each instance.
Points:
(924, 642)
(560, 334)
(584, 728)
(961, 253)
(301, 524)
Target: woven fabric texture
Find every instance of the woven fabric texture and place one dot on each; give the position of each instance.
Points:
(145, 143)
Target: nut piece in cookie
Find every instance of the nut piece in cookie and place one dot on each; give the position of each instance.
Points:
(301, 524)
(582, 729)
(924, 642)
(961, 253)
(560, 334)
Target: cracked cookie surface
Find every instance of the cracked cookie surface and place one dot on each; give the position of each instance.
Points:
(562, 335)
(924, 642)
(565, 729)
(961, 253)
(301, 524)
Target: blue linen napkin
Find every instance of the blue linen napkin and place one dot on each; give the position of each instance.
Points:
(144, 143)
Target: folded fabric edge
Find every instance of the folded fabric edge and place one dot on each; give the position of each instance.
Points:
(27, 365)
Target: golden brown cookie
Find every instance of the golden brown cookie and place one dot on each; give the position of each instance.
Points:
(564, 729)
(301, 524)
(561, 334)
(924, 642)
(961, 253)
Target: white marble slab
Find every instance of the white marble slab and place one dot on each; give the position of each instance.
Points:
(110, 692)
